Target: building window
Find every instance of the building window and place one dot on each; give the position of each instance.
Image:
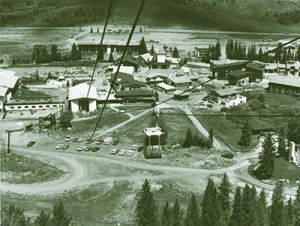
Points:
(47, 106)
(32, 106)
(40, 106)
(12, 107)
(26, 107)
(54, 105)
(19, 107)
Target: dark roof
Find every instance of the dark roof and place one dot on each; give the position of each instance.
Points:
(256, 66)
(134, 83)
(121, 78)
(239, 74)
(229, 66)
(225, 92)
(128, 59)
(135, 93)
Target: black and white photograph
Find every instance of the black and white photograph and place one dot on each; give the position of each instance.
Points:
(150, 112)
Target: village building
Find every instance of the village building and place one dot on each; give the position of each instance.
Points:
(165, 87)
(284, 85)
(294, 153)
(200, 52)
(228, 97)
(160, 60)
(81, 99)
(238, 78)
(9, 84)
(179, 81)
(135, 95)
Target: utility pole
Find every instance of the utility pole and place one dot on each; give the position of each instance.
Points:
(3, 148)
(8, 138)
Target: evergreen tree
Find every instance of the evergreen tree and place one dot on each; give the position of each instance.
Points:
(143, 46)
(53, 53)
(166, 215)
(210, 208)
(176, 214)
(43, 219)
(175, 52)
(60, 217)
(13, 216)
(278, 53)
(297, 207)
(192, 213)
(218, 50)
(284, 57)
(266, 159)
(246, 135)
(248, 207)
(298, 54)
(110, 58)
(277, 216)
(282, 151)
(293, 130)
(289, 213)
(91, 31)
(75, 53)
(97, 29)
(224, 199)
(100, 54)
(211, 137)
(146, 209)
(262, 210)
(152, 51)
(237, 209)
(188, 141)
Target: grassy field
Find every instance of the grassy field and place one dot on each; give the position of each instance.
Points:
(134, 109)
(176, 126)
(109, 119)
(286, 170)
(19, 169)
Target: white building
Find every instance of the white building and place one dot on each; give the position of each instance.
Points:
(8, 87)
(233, 101)
(82, 101)
(294, 154)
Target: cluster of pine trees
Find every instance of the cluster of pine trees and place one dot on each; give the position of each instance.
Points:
(237, 51)
(196, 140)
(214, 53)
(216, 208)
(15, 216)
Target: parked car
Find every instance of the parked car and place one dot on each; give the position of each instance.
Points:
(31, 143)
(100, 141)
(94, 149)
(134, 147)
(87, 148)
(140, 149)
(122, 152)
(79, 140)
(115, 142)
(130, 152)
(114, 151)
(59, 146)
(89, 141)
(68, 139)
(80, 148)
(65, 146)
(74, 139)
(108, 140)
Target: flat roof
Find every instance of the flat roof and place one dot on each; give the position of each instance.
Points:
(165, 86)
(8, 79)
(153, 131)
(135, 93)
(285, 80)
(239, 74)
(3, 91)
(226, 92)
(180, 79)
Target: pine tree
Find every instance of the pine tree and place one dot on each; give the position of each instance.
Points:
(218, 50)
(143, 47)
(246, 135)
(290, 213)
(146, 209)
(166, 215)
(188, 141)
(91, 31)
(248, 207)
(43, 219)
(284, 57)
(100, 54)
(210, 208)
(53, 52)
(110, 58)
(298, 54)
(192, 213)
(282, 147)
(60, 217)
(211, 137)
(266, 159)
(224, 199)
(297, 207)
(176, 214)
(237, 209)
(262, 210)
(152, 52)
(277, 216)
(278, 54)
(175, 52)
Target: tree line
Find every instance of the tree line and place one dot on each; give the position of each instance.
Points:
(236, 50)
(13, 215)
(215, 207)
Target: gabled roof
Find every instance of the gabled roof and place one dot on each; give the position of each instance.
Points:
(230, 65)
(121, 78)
(225, 92)
(3, 91)
(134, 84)
(135, 93)
(285, 80)
(8, 79)
(180, 79)
(239, 74)
(160, 51)
(147, 57)
(256, 66)
(80, 91)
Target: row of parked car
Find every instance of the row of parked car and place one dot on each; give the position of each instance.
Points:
(134, 148)
(106, 141)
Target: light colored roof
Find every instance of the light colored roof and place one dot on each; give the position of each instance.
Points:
(271, 66)
(3, 91)
(153, 131)
(80, 91)
(165, 86)
(8, 79)
(124, 69)
(226, 92)
(161, 51)
(173, 60)
(147, 57)
(285, 80)
(180, 79)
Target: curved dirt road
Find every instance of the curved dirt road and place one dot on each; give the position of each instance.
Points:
(88, 169)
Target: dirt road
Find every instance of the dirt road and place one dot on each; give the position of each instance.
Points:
(85, 169)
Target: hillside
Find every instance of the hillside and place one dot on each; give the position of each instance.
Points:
(235, 15)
